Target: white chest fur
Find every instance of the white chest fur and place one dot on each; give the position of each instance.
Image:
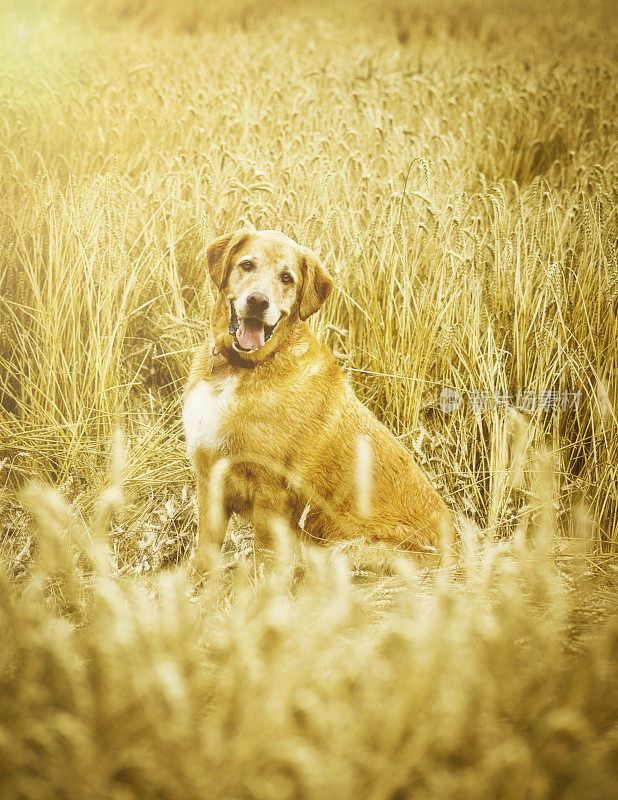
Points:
(206, 407)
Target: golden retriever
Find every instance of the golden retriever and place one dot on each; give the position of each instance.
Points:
(273, 427)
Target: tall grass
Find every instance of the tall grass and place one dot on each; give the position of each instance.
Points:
(459, 182)
(455, 166)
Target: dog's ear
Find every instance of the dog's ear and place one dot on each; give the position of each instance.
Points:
(317, 284)
(219, 252)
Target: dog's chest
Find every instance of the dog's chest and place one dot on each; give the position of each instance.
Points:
(206, 409)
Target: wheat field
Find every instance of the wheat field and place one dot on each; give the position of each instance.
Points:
(455, 166)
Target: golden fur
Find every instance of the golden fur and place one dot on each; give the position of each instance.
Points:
(290, 427)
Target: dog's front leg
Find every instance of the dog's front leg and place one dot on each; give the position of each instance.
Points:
(213, 514)
(274, 514)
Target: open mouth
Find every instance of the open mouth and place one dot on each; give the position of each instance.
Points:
(249, 333)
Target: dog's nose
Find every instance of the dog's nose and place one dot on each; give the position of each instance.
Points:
(257, 301)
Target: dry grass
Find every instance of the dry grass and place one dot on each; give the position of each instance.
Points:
(300, 683)
(462, 188)
(455, 166)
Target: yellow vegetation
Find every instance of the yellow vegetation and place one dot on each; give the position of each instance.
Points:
(455, 166)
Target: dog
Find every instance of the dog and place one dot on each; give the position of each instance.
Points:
(273, 428)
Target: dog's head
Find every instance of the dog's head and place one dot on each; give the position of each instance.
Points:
(266, 283)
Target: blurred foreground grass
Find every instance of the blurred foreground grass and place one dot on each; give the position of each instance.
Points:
(305, 682)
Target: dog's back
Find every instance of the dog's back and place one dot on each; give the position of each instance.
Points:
(358, 479)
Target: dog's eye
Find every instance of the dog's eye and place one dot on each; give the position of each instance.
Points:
(246, 265)
(286, 277)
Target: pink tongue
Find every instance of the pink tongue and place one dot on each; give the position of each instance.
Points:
(250, 334)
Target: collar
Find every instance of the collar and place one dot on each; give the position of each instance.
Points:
(232, 358)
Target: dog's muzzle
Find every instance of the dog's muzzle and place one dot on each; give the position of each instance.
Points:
(250, 333)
